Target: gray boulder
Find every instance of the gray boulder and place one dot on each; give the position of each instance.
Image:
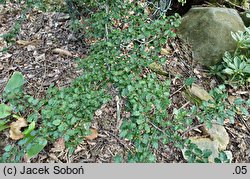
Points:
(208, 30)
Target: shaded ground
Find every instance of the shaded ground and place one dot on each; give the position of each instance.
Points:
(35, 56)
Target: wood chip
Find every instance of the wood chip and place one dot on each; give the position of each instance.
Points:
(63, 52)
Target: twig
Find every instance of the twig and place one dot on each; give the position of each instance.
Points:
(106, 25)
(245, 124)
(54, 157)
(184, 105)
(177, 91)
(235, 5)
(156, 127)
(119, 141)
(118, 113)
(145, 42)
(192, 128)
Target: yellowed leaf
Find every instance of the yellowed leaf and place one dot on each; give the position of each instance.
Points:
(165, 51)
(62, 52)
(15, 128)
(93, 135)
(231, 99)
(158, 69)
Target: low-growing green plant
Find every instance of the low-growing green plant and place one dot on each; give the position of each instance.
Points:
(124, 47)
(11, 35)
(119, 56)
(32, 142)
(65, 113)
(69, 112)
(196, 155)
(235, 68)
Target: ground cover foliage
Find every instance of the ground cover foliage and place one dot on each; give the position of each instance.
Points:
(125, 37)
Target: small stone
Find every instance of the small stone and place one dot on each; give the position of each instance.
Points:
(30, 48)
(98, 112)
(40, 57)
(219, 133)
(196, 94)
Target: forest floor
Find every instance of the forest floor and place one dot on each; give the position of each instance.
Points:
(45, 51)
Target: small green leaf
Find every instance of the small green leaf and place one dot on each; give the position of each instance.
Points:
(140, 120)
(248, 102)
(189, 81)
(207, 153)
(198, 151)
(8, 148)
(155, 144)
(130, 88)
(30, 128)
(3, 127)
(5, 111)
(238, 101)
(217, 160)
(188, 153)
(151, 158)
(15, 83)
(124, 133)
(247, 69)
(36, 147)
(228, 71)
(147, 128)
(118, 159)
(223, 156)
(136, 113)
(56, 122)
(237, 62)
(208, 124)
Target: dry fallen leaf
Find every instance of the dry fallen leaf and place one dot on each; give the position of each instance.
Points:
(231, 99)
(15, 128)
(226, 121)
(62, 52)
(93, 135)
(165, 51)
(5, 56)
(59, 145)
(98, 112)
(2, 44)
(25, 42)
